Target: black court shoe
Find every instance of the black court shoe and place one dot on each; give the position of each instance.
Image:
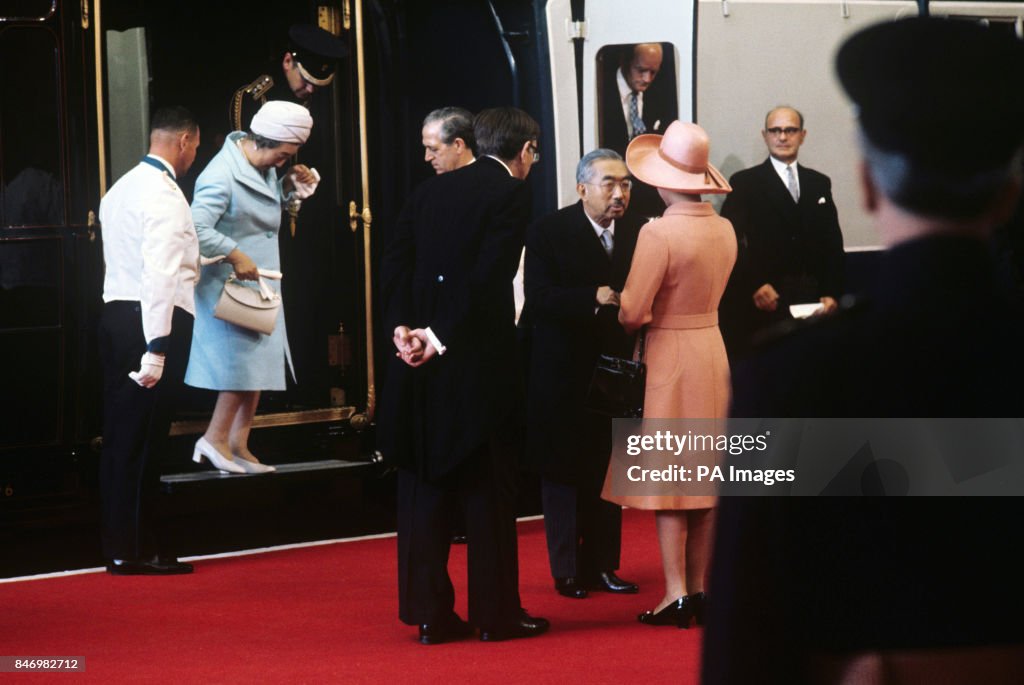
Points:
(678, 614)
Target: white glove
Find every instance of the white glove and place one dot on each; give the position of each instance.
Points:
(305, 190)
(152, 368)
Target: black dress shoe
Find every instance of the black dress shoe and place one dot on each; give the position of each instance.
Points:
(609, 582)
(526, 626)
(678, 614)
(157, 566)
(448, 630)
(570, 587)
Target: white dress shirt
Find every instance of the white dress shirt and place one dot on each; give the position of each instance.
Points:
(624, 92)
(780, 169)
(150, 246)
(599, 229)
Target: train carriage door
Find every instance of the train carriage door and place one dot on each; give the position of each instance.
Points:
(49, 260)
(608, 32)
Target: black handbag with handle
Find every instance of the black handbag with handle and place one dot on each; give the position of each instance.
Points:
(618, 385)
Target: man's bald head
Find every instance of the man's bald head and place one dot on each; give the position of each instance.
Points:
(643, 65)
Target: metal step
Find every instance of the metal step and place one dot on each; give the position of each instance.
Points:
(176, 482)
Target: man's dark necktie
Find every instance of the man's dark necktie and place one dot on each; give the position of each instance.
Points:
(607, 241)
(634, 116)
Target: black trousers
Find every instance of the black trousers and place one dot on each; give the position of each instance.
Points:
(484, 485)
(584, 532)
(136, 422)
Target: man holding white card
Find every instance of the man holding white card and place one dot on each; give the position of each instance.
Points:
(790, 245)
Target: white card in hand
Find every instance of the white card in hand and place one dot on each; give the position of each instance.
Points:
(802, 311)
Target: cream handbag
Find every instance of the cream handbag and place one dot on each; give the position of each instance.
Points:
(252, 308)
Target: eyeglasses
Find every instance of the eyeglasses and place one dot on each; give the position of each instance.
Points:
(789, 131)
(536, 155)
(608, 185)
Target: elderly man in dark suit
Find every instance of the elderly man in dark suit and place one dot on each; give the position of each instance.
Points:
(896, 589)
(577, 260)
(787, 227)
(453, 399)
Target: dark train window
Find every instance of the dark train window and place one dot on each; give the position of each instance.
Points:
(31, 401)
(27, 9)
(30, 273)
(32, 171)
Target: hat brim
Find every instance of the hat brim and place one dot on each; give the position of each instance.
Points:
(319, 82)
(645, 161)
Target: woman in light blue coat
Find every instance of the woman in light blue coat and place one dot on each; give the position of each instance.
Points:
(237, 213)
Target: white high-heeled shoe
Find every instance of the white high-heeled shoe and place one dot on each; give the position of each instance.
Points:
(253, 466)
(205, 449)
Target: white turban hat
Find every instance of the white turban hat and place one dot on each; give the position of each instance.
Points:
(285, 122)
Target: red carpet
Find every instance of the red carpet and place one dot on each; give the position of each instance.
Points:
(328, 614)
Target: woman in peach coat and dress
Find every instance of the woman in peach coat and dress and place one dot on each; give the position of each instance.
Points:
(680, 268)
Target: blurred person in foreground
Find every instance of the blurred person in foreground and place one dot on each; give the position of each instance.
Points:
(895, 589)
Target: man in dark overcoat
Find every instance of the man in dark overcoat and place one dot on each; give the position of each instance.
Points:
(577, 260)
(453, 399)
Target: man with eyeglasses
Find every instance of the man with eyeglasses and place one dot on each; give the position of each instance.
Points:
(577, 260)
(790, 244)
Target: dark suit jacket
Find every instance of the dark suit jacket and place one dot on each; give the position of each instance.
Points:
(936, 338)
(798, 248)
(450, 267)
(565, 264)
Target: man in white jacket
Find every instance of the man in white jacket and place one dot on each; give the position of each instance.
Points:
(152, 266)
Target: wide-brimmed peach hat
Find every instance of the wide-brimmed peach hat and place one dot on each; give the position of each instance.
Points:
(676, 161)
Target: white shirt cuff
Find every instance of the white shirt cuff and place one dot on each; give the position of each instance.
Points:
(441, 349)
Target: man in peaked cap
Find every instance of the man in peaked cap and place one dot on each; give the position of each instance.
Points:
(895, 589)
(308, 63)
